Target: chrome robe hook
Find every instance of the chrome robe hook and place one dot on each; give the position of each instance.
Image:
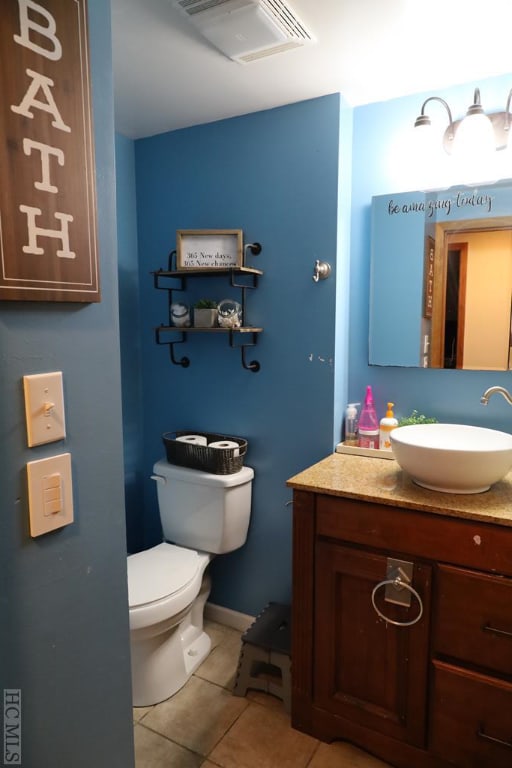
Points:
(321, 271)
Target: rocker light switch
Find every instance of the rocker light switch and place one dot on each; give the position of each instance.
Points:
(44, 408)
(50, 493)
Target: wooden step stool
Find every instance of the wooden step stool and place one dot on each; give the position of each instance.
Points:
(265, 655)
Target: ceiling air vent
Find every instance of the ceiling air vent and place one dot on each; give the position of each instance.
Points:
(247, 30)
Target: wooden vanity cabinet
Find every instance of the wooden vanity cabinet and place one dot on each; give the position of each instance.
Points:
(435, 694)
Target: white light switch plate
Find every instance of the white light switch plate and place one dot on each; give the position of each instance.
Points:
(50, 493)
(44, 408)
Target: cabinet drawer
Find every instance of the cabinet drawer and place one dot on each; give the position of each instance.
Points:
(419, 534)
(471, 718)
(473, 618)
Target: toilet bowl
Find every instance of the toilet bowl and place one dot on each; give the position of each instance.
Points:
(168, 585)
(168, 588)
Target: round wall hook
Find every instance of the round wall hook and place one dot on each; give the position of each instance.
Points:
(321, 271)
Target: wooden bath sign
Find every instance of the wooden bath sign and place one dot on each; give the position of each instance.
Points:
(48, 242)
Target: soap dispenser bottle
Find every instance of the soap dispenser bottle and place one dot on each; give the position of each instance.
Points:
(351, 424)
(387, 424)
(368, 430)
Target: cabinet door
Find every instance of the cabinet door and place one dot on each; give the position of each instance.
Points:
(366, 669)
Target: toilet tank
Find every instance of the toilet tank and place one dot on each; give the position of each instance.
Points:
(203, 511)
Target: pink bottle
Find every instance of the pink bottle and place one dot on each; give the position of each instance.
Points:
(368, 429)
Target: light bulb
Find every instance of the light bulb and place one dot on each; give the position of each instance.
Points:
(474, 136)
(474, 149)
(428, 158)
(505, 158)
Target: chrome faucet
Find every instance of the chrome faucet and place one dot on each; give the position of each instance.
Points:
(492, 391)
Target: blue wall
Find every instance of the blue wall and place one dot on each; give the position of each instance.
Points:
(63, 596)
(381, 166)
(130, 333)
(273, 174)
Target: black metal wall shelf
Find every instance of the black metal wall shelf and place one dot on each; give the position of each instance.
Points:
(243, 278)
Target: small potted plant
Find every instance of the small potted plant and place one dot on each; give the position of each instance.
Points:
(205, 313)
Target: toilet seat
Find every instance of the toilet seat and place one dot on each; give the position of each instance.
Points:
(162, 581)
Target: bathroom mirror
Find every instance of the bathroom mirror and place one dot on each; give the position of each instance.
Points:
(441, 278)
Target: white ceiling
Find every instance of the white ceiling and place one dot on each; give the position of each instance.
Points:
(166, 76)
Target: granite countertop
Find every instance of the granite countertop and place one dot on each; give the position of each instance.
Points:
(383, 481)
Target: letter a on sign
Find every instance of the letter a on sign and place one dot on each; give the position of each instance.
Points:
(48, 241)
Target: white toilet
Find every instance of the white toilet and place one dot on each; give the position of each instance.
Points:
(202, 515)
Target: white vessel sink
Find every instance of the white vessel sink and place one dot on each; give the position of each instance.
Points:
(452, 458)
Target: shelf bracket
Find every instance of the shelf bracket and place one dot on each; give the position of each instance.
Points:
(184, 361)
(253, 366)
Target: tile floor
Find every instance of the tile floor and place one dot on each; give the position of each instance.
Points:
(205, 725)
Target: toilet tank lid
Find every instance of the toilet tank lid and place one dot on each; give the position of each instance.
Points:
(187, 475)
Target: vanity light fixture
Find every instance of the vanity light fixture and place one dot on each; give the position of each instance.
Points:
(477, 132)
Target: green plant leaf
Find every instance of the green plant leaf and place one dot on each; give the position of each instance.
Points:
(416, 418)
(205, 304)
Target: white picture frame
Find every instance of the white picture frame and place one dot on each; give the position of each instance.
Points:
(199, 249)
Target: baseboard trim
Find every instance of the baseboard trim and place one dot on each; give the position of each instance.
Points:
(229, 618)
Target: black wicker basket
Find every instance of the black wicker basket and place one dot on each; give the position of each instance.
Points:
(218, 461)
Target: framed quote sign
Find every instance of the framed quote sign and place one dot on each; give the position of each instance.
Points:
(48, 241)
(209, 248)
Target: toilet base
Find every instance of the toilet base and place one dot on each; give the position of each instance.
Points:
(165, 656)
